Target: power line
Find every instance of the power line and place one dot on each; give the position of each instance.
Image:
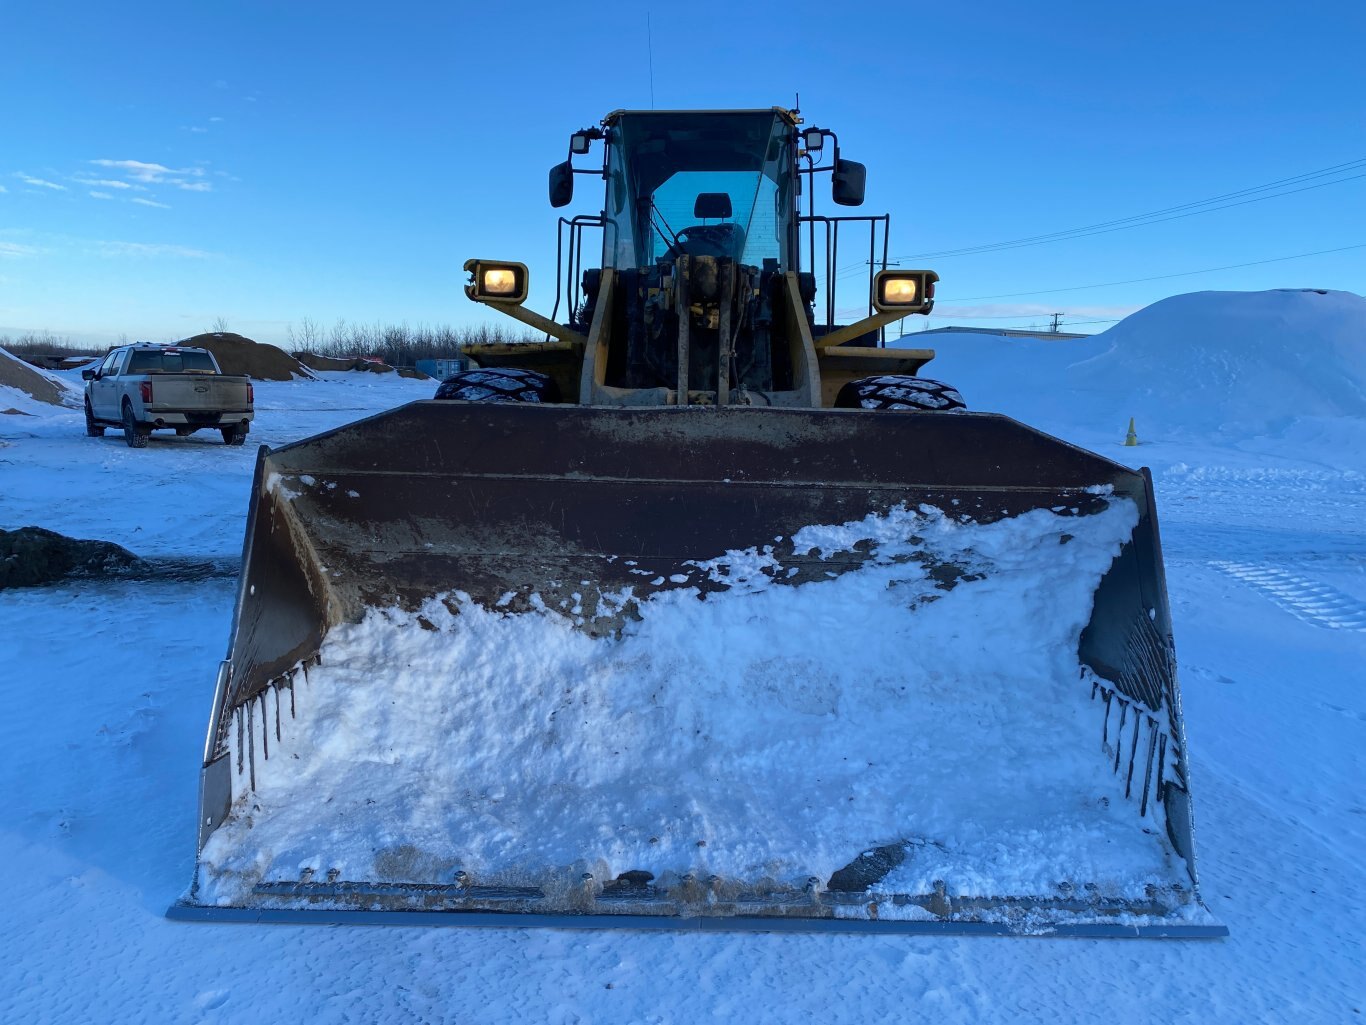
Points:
(1006, 316)
(1138, 220)
(1033, 327)
(1170, 213)
(1155, 277)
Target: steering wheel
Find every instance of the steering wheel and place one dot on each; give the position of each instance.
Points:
(724, 239)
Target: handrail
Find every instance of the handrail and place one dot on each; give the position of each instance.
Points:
(832, 237)
(571, 283)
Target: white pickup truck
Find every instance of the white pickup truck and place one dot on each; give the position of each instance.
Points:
(145, 387)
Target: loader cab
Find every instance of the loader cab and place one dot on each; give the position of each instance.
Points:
(699, 253)
(701, 183)
(705, 289)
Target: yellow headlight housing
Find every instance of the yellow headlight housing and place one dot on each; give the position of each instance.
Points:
(497, 281)
(904, 291)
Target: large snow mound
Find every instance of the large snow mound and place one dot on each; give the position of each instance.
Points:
(1238, 359)
(1227, 364)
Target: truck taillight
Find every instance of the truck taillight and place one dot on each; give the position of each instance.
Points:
(146, 387)
(251, 393)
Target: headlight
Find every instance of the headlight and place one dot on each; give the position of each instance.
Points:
(499, 281)
(496, 281)
(908, 291)
(900, 291)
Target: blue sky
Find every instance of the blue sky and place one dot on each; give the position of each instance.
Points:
(164, 165)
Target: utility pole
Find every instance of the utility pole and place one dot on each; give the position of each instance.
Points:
(1057, 319)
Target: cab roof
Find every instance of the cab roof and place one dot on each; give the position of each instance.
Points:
(790, 116)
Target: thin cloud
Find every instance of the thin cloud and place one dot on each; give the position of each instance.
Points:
(14, 251)
(3, 189)
(105, 183)
(43, 182)
(143, 249)
(149, 202)
(138, 170)
(140, 175)
(215, 119)
(100, 195)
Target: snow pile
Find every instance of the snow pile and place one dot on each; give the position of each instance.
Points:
(764, 731)
(1227, 364)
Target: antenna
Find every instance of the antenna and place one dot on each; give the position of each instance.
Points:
(650, 48)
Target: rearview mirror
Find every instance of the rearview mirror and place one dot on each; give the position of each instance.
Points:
(89, 375)
(561, 184)
(848, 182)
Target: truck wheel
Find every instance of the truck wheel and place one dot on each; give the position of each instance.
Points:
(92, 429)
(133, 432)
(899, 391)
(234, 435)
(498, 384)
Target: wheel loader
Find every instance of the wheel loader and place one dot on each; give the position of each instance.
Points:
(706, 612)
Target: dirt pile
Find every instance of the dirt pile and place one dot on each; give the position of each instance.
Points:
(314, 361)
(258, 360)
(15, 373)
(32, 556)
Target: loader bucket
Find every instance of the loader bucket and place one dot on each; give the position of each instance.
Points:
(702, 668)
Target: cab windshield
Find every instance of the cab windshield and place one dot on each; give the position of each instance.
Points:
(717, 184)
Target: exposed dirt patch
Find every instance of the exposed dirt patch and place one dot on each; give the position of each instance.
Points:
(260, 361)
(14, 412)
(32, 556)
(15, 373)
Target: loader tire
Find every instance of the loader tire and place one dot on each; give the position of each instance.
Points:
(133, 432)
(899, 391)
(92, 429)
(498, 384)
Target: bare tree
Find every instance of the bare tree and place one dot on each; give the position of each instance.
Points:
(309, 337)
(219, 325)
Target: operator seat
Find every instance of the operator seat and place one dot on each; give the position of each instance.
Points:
(724, 239)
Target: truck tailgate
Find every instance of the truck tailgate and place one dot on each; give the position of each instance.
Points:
(199, 392)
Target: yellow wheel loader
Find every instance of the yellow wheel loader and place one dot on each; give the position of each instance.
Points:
(707, 612)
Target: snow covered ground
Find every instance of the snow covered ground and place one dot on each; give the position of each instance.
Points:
(1261, 487)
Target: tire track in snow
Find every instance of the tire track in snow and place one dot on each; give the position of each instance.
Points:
(1303, 598)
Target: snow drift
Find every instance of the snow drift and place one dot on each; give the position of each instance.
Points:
(1214, 363)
